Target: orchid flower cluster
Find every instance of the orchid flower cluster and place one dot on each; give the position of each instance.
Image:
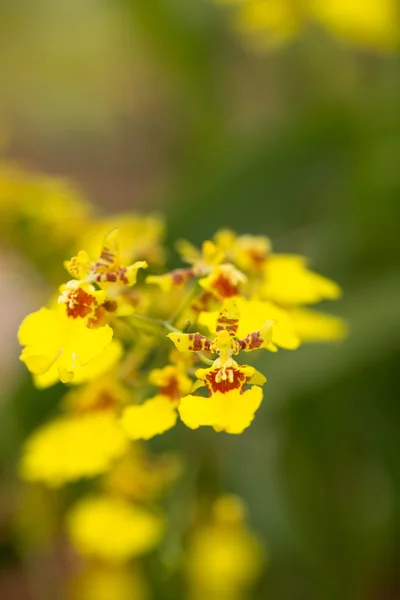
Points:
(117, 338)
(138, 349)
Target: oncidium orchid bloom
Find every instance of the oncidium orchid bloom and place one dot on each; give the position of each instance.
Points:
(229, 407)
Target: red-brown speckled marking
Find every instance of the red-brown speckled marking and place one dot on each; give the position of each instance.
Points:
(198, 342)
(224, 323)
(238, 380)
(80, 304)
(180, 276)
(252, 341)
(171, 389)
(107, 255)
(110, 305)
(116, 276)
(224, 287)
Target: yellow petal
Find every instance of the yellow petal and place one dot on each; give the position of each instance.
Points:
(54, 341)
(288, 281)
(189, 342)
(313, 326)
(151, 418)
(111, 528)
(132, 270)
(40, 332)
(165, 282)
(92, 370)
(231, 412)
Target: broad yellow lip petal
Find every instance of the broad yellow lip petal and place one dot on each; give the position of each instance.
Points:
(231, 412)
(53, 342)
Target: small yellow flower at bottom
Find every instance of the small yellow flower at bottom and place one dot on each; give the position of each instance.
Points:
(70, 448)
(112, 528)
(153, 417)
(232, 411)
(224, 557)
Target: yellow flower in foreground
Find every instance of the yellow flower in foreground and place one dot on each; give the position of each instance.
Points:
(288, 282)
(70, 448)
(229, 407)
(51, 339)
(103, 363)
(231, 412)
(112, 528)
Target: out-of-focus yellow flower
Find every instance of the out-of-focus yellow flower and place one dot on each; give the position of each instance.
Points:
(141, 236)
(229, 407)
(112, 528)
(374, 23)
(369, 23)
(223, 280)
(100, 581)
(210, 255)
(289, 282)
(73, 447)
(277, 20)
(141, 476)
(172, 381)
(108, 268)
(158, 414)
(53, 341)
(249, 252)
(313, 326)
(224, 558)
(34, 208)
(103, 393)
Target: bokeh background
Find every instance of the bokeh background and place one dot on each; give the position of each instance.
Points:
(164, 105)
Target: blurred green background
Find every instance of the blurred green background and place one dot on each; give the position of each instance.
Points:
(160, 105)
